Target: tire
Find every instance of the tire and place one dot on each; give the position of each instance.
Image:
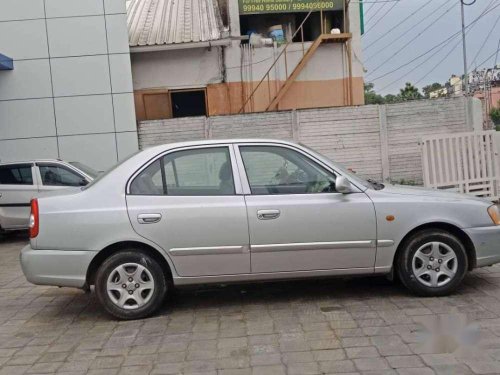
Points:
(127, 299)
(432, 270)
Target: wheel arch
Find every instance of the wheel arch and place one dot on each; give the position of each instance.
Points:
(447, 227)
(116, 247)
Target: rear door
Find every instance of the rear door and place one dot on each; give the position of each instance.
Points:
(189, 202)
(17, 187)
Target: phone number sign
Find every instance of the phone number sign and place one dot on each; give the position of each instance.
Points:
(286, 6)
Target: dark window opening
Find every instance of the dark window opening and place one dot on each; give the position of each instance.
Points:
(188, 103)
(264, 24)
(16, 175)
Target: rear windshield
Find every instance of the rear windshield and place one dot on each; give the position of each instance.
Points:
(85, 169)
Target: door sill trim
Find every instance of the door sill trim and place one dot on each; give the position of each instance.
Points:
(269, 276)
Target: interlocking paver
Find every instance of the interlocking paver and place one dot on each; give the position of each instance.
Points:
(360, 326)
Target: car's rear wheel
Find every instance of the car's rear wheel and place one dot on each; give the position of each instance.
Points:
(130, 284)
(432, 263)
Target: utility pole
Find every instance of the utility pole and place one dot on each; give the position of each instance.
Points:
(464, 46)
(466, 75)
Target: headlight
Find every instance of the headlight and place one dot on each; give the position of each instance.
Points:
(494, 212)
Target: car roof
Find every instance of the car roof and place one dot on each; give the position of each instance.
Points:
(32, 161)
(170, 146)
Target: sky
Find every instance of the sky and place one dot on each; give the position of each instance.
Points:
(433, 22)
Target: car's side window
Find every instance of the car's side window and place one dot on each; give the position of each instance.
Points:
(195, 172)
(18, 174)
(280, 170)
(56, 175)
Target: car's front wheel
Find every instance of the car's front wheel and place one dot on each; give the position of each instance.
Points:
(130, 284)
(432, 263)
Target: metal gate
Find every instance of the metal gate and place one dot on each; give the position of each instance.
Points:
(463, 162)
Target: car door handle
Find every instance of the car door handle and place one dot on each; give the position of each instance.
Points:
(268, 214)
(148, 218)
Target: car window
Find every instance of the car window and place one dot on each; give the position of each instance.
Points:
(56, 175)
(280, 170)
(196, 172)
(16, 174)
(85, 169)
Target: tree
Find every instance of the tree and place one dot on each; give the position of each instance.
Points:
(389, 99)
(371, 97)
(495, 115)
(409, 92)
(430, 88)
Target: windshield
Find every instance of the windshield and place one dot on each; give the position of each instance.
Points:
(371, 184)
(85, 169)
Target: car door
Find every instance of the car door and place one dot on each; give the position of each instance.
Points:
(189, 202)
(54, 176)
(297, 221)
(17, 187)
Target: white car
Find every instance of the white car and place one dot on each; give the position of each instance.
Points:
(22, 181)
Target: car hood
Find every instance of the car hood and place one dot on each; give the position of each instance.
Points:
(426, 192)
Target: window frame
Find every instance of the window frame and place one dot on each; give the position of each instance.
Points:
(244, 178)
(21, 165)
(232, 158)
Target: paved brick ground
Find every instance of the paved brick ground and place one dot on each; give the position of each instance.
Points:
(367, 326)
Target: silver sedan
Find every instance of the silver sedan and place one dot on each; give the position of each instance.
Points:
(249, 210)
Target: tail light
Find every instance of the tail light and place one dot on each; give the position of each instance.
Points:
(34, 219)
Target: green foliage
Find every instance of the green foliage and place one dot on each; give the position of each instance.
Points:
(430, 88)
(495, 115)
(389, 99)
(371, 97)
(409, 92)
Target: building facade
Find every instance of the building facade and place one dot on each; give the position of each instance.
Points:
(208, 57)
(69, 91)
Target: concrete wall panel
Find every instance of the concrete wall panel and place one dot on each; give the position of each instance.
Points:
(30, 40)
(62, 106)
(86, 36)
(27, 118)
(84, 114)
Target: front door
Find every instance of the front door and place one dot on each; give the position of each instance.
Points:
(297, 221)
(188, 203)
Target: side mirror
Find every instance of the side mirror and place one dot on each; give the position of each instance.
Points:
(343, 185)
(83, 182)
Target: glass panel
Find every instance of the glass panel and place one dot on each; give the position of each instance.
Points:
(279, 170)
(199, 172)
(16, 175)
(54, 175)
(149, 181)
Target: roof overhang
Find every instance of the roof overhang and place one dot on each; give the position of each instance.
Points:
(6, 63)
(177, 46)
